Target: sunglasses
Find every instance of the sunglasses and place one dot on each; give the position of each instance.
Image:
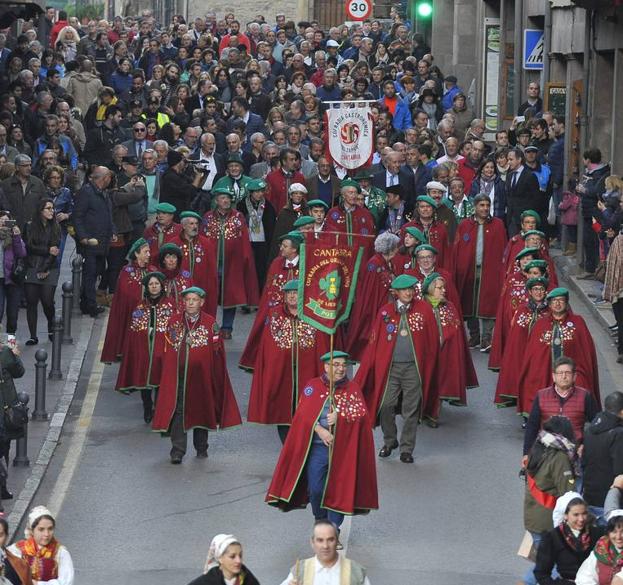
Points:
(140, 129)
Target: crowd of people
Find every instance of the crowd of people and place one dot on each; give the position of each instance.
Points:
(189, 163)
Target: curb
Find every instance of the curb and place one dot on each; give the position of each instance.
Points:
(24, 499)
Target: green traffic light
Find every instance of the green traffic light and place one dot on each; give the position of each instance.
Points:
(425, 9)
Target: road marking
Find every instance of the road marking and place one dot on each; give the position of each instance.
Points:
(79, 438)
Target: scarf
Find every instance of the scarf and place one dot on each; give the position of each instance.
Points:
(554, 441)
(255, 214)
(613, 283)
(607, 554)
(486, 186)
(579, 543)
(535, 309)
(100, 115)
(42, 560)
(434, 302)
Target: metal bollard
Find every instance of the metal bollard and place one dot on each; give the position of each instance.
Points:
(68, 294)
(55, 371)
(40, 366)
(76, 279)
(21, 445)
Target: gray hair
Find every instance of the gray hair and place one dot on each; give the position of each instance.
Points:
(22, 159)
(161, 143)
(386, 243)
(255, 136)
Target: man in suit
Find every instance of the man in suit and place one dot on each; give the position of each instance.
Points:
(240, 111)
(522, 191)
(422, 174)
(198, 100)
(325, 185)
(210, 161)
(259, 170)
(138, 144)
(395, 175)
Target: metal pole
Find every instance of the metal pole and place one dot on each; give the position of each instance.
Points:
(21, 445)
(68, 295)
(547, 42)
(518, 54)
(40, 383)
(76, 278)
(55, 372)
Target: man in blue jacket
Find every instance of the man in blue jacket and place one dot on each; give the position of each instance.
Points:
(399, 109)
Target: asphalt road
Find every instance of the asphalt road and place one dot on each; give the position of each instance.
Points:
(128, 516)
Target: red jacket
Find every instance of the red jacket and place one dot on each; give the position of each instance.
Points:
(278, 185)
(58, 26)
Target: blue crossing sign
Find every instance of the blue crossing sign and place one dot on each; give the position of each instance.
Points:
(533, 46)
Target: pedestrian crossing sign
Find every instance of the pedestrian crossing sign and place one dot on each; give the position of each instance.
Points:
(533, 45)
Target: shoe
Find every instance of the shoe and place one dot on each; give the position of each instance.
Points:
(33, 341)
(225, 334)
(485, 346)
(176, 459)
(5, 494)
(611, 327)
(245, 310)
(586, 276)
(620, 359)
(202, 454)
(386, 451)
(406, 457)
(524, 422)
(571, 250)
(95, 312)
(474, 341)
(148, 413)
(101, 298)
(109, 298)
(433, 424)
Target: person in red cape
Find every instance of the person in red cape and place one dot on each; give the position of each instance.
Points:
(426, 221)
(163, 230)
(143, 347)
(198, 258)
(524, 319)
(328, 457)
(536, 239)
(288, 355)
(128, 294)
(351, 219)
(372, 293)
(530, 221)
(400, 360)
(478, 248)
(560, 332)
(176, 280)
(195, 391)
(237, 280)
(405, 258)
(514, 294)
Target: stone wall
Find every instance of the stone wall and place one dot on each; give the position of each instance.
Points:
(246, 11)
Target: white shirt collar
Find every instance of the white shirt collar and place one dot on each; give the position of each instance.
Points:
(294, 262)
(334, 570)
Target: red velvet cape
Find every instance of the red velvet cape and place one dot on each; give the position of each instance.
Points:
(536, 371)
(230, 241)
(128, 294)
(200, 262)
(141, 365)
(373, 373)
(351, 478)
(372, 293)
(507, 388)
(175, 282)
(452, 294)
(359, 221)
(198, 360)
(272, 297)
(438, 238)
(515, 245)
(284, 363)
(483, 303)
(157, 237)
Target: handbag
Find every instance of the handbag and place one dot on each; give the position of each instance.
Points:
(19, 272)
(15, 420)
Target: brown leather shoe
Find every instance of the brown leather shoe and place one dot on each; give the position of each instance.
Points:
(225, 334)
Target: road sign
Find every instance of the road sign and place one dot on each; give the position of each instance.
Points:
(358, 9)
(533, 45)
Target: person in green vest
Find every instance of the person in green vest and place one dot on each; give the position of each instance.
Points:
(374, 198)
(234, 180)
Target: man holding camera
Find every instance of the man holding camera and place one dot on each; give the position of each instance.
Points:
(176, 187)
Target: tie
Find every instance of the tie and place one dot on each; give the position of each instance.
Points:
(139, 151)
(392, 180)
(514, 180)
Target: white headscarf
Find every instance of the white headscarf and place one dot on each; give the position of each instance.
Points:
(558, 515)
(217, 549)
(614, 514)
(34, 515)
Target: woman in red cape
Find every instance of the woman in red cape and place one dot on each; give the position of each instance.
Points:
(457, 372)
(350, 486)
(532, 239)
(372, 293)
(128, 294)
(141, 365)
(560, 332)
(176, 279)
(524, 319)
(530, 220)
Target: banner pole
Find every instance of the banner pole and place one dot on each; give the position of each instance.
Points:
(331, 377)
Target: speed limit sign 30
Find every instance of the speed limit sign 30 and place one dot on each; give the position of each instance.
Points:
(358, 9)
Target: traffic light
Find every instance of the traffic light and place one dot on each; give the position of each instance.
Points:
(424, 9)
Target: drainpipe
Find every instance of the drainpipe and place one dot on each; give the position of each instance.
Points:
(518, 55)
(547, 43)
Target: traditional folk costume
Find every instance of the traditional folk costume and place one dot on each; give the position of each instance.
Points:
(437, 236)
(176, 280)
(357, 221)
(159, 234)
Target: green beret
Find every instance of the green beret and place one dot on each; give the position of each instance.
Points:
(317, 203)
(194, 289)
(403, 281)
(256, 185)
(533, 233)
(165, 208)
(558, 292)
(429, 280)
(290, 285)
(170, 248)
(161, 277)
(296, 237)
(427, 199)
(531, 213)
(364, 174)
(542, 264)
(419, 235)
(234, 157)
(303, 221)
(350, 183)
(527, 252)
(222, 191)
(426, 248)
(186, 214)
(536, 280)
(336, 354)
(135, 247)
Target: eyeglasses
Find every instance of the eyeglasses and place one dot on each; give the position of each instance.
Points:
(48, 208)
(140, 129)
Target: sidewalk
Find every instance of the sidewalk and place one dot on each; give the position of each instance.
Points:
(43, 436)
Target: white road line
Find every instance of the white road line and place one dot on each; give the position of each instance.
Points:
(79, 438)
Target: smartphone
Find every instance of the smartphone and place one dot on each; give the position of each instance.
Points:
(10, 223)
(520, 119)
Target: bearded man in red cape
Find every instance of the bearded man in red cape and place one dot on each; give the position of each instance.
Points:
(228, 232)
(195, 391)
(281, 270)
(163, 230)
(288, 356)
(478, 249)
(198, 258)
(128, 294)
(560, 332)
(328, 457)
(400, 360)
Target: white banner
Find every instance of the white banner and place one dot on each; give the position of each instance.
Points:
(350, 131)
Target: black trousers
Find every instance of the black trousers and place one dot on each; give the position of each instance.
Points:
(591, 246)
(178, 435)
(35, 293)
(93, 266)
(617, 309)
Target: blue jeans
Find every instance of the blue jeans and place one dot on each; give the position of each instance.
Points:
(316, 471)
(228, 319)
(599, 515)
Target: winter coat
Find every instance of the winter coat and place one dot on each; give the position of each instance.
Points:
(594, 186)
(22, 207)
(12, 253)
(84, 87)
(92, 217)
(569, 208)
